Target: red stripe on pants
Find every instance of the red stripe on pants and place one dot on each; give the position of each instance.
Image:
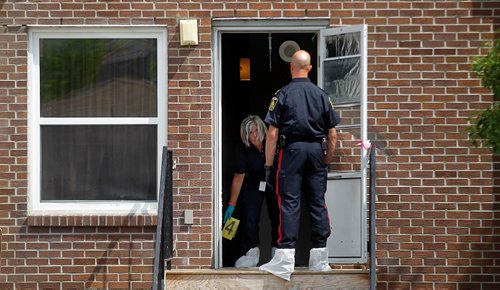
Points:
(278, 198)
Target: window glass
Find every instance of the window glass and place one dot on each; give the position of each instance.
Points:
(98, 77)
(350, 115)
(98, 162)
(343, 45)
(342, 80)
(95, 120)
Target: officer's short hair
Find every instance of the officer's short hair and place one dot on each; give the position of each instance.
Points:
(246, 128)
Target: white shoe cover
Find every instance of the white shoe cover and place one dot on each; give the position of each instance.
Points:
(250, 259)
(318, 260)
(282, 264)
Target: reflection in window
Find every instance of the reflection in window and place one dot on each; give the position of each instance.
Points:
(342, 80)
(350, 115)
(98, 77)
(343, 45)
(346, 157)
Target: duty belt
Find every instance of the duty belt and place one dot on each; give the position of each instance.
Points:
(293, 139)
(285, 140)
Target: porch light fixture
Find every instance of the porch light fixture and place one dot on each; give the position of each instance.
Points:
(188, 31)
(244, 69)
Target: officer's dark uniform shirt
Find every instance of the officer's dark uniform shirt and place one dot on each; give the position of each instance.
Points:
(302, 111)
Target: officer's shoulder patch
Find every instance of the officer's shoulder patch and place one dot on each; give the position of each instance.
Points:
(273, 103)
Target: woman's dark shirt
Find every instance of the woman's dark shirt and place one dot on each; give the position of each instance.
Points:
(250, 161)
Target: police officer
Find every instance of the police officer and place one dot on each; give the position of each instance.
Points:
(302, 123)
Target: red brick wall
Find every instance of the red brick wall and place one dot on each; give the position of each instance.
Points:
(438, 215)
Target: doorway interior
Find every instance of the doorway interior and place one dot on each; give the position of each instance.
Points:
(239, 98)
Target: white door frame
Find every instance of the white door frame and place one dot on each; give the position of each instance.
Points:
(241, 25)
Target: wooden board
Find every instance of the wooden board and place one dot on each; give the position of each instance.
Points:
(231, 278)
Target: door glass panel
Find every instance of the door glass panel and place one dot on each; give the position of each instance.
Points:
(350, 115)
(348, 150)
(342, 80)
(98, 162)
(343, 45)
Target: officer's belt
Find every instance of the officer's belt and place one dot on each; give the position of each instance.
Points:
(291, 139)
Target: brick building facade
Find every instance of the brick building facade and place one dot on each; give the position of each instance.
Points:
(438, 219)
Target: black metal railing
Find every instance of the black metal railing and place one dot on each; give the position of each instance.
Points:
(164, 228)
(373, 216)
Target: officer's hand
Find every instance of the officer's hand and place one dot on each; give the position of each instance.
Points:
(229, 213)
(269, 176)
(269, 173)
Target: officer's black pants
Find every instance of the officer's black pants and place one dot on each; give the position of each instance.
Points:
(301, 167)
(250, 201)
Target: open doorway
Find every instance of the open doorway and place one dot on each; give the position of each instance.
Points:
(339, 56)
(239, 98)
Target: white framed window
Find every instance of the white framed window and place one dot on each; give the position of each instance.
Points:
(97, 119)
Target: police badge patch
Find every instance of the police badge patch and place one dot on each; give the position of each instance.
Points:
(273, 103)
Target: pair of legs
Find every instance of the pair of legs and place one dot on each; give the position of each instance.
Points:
(251, 205)
(301, 168)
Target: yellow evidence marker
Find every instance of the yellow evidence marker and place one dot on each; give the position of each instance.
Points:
(229, 230)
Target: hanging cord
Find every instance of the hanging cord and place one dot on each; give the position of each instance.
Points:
(270, 39)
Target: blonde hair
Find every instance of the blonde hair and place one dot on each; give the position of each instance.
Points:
(246, 129)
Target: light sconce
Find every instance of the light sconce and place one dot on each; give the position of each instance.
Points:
(188, 31)
(244, 69)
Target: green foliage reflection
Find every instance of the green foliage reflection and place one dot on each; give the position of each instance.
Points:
(69, 65)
